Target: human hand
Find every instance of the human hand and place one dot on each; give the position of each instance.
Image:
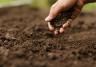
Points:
(63, 5)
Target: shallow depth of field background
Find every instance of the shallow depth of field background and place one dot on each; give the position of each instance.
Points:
(42, 3)
(25, 40)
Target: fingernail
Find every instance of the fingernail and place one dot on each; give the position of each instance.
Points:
(61, 30)
(48, 18)
(67, 23)
(56, 32)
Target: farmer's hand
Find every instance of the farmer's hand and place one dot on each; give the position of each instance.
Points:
(62, 5)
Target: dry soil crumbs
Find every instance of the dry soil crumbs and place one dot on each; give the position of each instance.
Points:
(26, 42)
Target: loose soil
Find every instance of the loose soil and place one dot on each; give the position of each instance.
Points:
(25, 40)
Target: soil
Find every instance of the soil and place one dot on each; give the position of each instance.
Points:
(25, 40)
(62, 18)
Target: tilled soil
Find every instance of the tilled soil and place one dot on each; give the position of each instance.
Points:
(25, 40)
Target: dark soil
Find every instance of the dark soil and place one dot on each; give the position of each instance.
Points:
(62, 18)
(25, 40)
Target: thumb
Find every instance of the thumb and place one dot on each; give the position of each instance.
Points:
(54, 11)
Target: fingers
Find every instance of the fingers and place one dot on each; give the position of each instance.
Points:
(62, 29)
(51, 28)
(66, 25)
(56, 9)
(56, 32)
(59, 6)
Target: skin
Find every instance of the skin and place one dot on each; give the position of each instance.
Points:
(62, 5)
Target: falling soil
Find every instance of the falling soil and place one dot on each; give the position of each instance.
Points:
(25, 40)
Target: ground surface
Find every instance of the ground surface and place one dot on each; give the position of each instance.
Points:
(26, 42)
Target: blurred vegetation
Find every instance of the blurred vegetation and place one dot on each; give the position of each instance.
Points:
(47, 3)
(5, 1)
(40, 3)
(43, 3)
(90, 6)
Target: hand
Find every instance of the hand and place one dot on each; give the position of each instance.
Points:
(62, 5)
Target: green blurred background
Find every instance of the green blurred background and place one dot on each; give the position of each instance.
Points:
(44, 3)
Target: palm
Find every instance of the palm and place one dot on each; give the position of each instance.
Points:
(77, 9)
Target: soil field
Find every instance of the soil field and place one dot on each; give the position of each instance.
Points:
(25, 40)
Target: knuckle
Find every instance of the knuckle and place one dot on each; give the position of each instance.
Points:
(53, 6)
